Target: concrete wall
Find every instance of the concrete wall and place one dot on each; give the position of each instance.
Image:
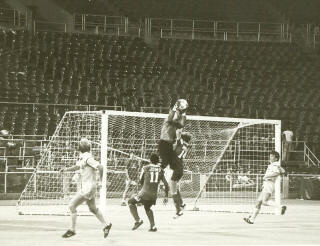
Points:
(47, 9)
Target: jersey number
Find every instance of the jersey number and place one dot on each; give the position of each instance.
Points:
(154, 176)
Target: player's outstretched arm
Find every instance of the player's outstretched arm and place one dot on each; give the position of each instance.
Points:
(70, 169)
(272, 174)
(172, 111)
(100, 168)
(180, 109)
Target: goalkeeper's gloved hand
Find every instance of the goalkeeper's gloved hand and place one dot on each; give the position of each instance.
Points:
(175, 107)
(165, 201)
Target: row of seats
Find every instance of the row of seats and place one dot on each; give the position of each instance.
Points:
(277, 81)
(233, 79)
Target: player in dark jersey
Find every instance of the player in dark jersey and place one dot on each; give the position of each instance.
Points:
(150, 178)
(176, 120)
(132, 176)
(181, 148)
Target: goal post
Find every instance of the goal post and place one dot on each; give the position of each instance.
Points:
(222, 172)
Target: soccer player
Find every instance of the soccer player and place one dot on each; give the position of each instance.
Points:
(243, 180)
(132, 175)
(176, 120)
(273, 171)
(181, 148)
(150, 178)
(88, 167)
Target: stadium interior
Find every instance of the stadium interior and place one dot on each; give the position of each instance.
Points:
(259, 62)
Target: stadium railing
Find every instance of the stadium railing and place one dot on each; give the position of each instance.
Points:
(103, 24)
(218, 30)
(49, 26)
(316, 41)
(310, 158)
(12, 18)
(94, 24)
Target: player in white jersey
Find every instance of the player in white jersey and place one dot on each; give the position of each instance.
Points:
(273, 171)
(88, 167)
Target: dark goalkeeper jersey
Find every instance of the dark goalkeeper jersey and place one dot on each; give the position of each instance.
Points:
(150, 177)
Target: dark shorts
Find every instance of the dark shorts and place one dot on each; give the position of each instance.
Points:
(167, 154)
(177, 170)
(135, 199)
(169, 157)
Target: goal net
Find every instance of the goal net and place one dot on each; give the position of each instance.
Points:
(222, 172)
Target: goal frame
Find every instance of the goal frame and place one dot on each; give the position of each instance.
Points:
(276, 123)
(105, 114)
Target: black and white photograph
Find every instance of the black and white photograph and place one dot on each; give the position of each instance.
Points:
(159, 122)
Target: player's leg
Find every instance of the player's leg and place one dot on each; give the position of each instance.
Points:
(176, 196)
(182, 205)
(267, 201)
(74, 203)
(149, 212)
(124, 195)
(97, 212)
(132, 202)
(165, 152)
(257, 208)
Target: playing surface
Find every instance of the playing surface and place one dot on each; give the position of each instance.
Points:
(300, 226)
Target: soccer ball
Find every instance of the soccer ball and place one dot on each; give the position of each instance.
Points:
(182, 104)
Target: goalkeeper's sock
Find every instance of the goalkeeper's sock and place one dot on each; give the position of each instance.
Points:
(134, 212)
(180, 199)
(176, 201)
(151, 218)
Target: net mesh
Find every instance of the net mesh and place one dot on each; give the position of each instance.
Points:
(222, 171)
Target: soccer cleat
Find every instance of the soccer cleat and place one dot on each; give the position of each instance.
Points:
(178, 215)
(248, 220)
(106, 230)
(68, 233)
(137, 224)
(283, 210)
(123, 203)
(183, 206)
(153, 229)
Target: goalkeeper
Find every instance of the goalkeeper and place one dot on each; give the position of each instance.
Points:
(273, 171)
(176, 120)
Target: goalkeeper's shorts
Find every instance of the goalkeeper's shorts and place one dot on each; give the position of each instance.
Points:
(177, 170)
(167, 154)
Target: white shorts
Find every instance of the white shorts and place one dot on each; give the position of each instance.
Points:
(168, 173)
(268, 187)
(88, 191)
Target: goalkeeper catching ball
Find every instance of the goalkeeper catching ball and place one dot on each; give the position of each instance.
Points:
(176, 120)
